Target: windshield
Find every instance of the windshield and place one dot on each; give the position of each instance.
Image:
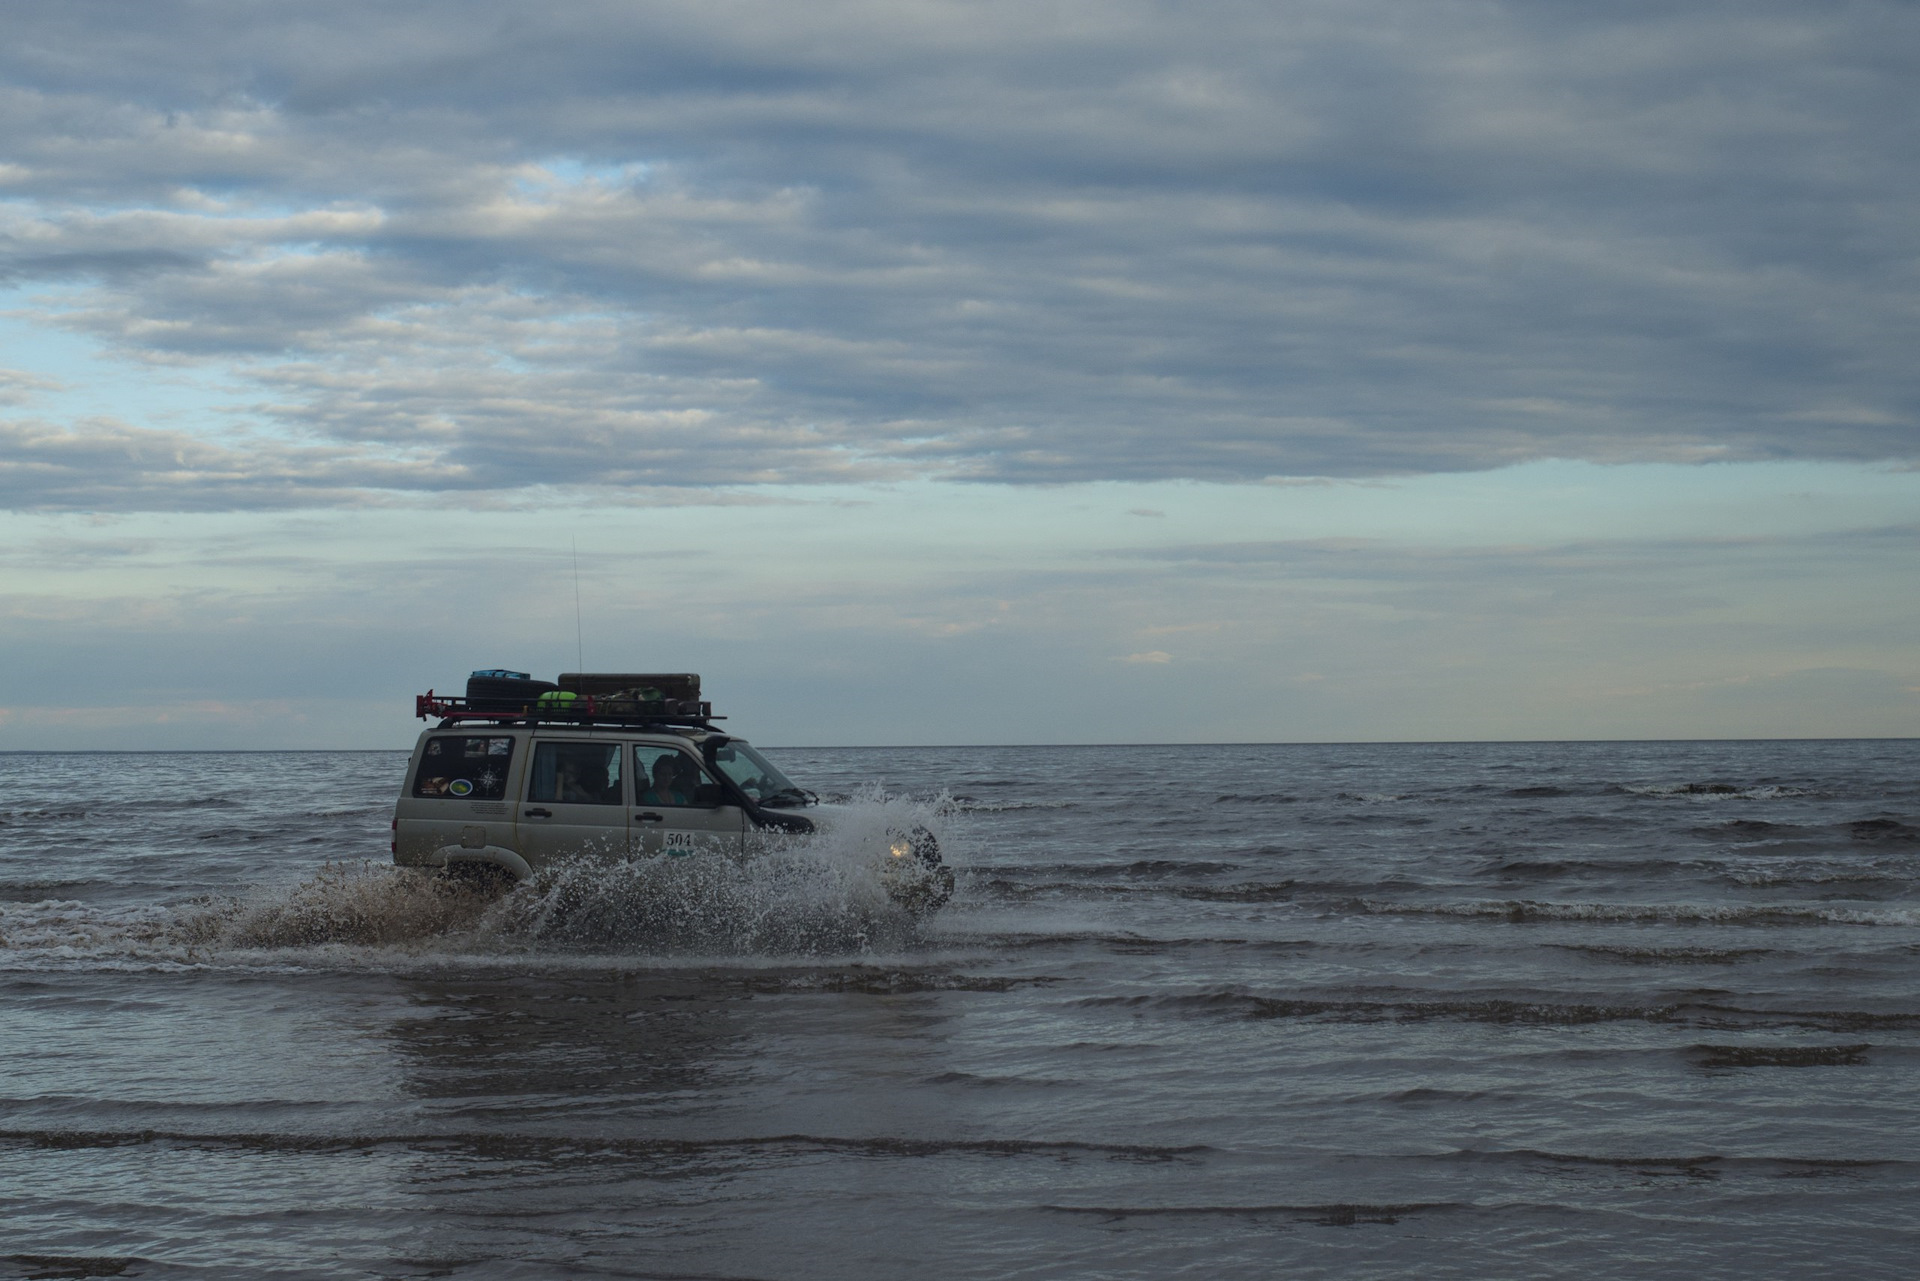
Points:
(755, 775)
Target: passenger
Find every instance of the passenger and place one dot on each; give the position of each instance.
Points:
(669, 782)
(579, 783)
(567, 787)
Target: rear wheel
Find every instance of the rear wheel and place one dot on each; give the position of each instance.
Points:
(474, 877)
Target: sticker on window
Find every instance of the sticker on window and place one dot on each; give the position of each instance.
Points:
(465, 767)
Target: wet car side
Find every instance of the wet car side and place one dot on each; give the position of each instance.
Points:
(512, 799)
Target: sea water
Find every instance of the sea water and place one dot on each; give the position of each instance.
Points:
(1502, 1010)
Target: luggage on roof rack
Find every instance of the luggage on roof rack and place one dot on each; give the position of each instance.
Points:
(580, 698)
(637, 693)
(499, 691)
(664, 686)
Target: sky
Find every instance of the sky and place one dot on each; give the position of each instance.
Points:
(1036, 372)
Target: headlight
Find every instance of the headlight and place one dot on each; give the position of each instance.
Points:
(919, 843)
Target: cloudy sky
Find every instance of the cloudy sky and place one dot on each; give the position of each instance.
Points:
(963, 372)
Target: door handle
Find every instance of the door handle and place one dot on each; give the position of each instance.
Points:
(650, 817)
(537, 813)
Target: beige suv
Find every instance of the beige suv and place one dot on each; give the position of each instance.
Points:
(506, 795)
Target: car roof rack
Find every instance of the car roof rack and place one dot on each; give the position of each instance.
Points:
(584, 710)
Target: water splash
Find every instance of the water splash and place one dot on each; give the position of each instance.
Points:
(820, 895)
(362, 904)
(784, 901)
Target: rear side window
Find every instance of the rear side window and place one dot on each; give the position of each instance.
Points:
(575, 773)
(469, 767)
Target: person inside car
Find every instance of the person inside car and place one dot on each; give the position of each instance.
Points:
(585, 782)
(670, 783)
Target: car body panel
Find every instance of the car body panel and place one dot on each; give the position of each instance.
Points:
(528, 825)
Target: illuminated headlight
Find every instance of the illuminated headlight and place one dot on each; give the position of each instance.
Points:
(901, 847)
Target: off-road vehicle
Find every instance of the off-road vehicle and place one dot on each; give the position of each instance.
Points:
(520, 774)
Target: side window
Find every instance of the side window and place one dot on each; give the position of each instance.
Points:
(575, 773)
(468, 767)
(667, 776)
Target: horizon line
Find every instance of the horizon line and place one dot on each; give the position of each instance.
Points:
(931, 747)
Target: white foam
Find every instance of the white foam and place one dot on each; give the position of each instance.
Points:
(1714, 791)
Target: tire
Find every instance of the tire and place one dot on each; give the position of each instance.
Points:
(482, 878)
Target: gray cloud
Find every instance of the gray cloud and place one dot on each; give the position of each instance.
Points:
(105, 465)
(694, 244)
(17, 387)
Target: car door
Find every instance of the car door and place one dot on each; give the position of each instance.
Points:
(575, 801)
(678, 807)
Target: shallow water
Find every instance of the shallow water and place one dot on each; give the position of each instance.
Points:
(1600, 1010)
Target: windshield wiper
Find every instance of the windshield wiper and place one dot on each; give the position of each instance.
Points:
(788, 796)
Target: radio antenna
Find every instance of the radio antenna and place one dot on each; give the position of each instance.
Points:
(579, 643)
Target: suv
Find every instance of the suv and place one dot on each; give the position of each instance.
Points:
(503, 788)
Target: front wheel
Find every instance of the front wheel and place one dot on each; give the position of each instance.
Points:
(921, 888)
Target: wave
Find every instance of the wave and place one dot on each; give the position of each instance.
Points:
(1801, 863)
(1139, 944)
(36, 891)
(1751, 829)
(1241, 892)
(493, 1143)
(1557, 867)
(1775, 878)
(1247, 892)
(1526, 910)
(1883, 829)
(975, 1081)
(1700, 1165)
(35, 1266)
(1868, 830)
(1336, 1215)
(1141, 869)
(73, 813)
(1715, 791)
(1672, 955)
(1417, 1008)
(1746, 1056)
(890, 982)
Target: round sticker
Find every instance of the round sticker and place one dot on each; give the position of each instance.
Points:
(460, 787)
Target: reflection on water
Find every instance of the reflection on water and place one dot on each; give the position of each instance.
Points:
(532, 1046)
